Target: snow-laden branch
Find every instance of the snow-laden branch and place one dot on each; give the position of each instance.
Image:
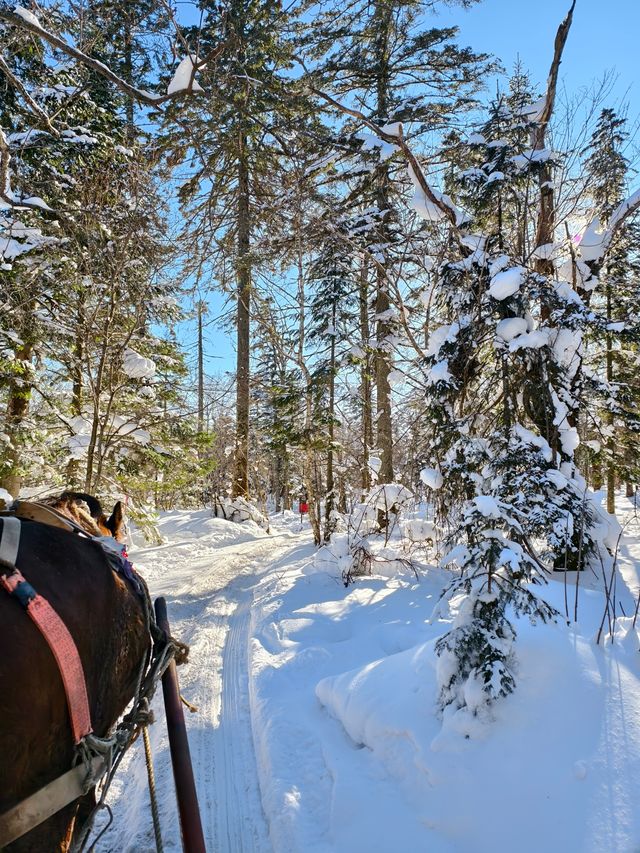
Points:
(623, 211)
(6, 193)
(597, 238)
(35, 108)
(27, 21)
(392, 134)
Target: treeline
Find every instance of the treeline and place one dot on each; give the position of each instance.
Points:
(418, 276)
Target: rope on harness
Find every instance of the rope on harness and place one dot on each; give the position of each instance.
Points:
(152, 789)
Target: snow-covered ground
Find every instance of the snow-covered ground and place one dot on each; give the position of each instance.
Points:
(316, 727)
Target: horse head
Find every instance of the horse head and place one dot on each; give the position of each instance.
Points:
(86, 510)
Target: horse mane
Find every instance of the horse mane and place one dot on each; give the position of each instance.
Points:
(81, 508)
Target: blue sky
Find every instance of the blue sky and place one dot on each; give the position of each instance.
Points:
(603, 36)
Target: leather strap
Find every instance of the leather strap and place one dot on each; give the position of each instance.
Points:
(35, 809)
(10, 540)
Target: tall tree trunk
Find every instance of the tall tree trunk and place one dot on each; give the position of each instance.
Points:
(329, 520)
(200, 372)
(20, 388)
(128, 76)
(384, 436)
(241, 473)
(73, 467)
(277, 485)
(97, 430)
(309, 464)
(365, 378)
(609, 418)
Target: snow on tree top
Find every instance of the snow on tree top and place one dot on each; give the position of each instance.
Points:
(432, 478)
(392, 129)
(530, 340)
(511, 327)
(487, 505)
(533, 112)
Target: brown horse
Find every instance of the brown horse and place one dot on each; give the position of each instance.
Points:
(106, 621)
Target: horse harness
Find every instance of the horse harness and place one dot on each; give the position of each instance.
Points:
(97, 757)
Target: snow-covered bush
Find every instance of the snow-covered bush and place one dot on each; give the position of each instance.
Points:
(238, 510)
(363, 544)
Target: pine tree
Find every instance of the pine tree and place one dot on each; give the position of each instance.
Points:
(606, 170)
(332, 315)
(232, 137)
(96, 279)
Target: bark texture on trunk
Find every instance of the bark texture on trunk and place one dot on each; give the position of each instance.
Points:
(384, 436)
(241, 461)
(365, 378)
(19, 396)
(330, 500)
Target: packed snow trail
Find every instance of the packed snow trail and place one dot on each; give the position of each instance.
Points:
(208, 586)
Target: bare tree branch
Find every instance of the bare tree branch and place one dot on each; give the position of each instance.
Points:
(547, 217)
(552, 79)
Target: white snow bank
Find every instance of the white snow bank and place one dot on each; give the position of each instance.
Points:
(188, 524)
(562, 754)
(352, 756)
(321, 793)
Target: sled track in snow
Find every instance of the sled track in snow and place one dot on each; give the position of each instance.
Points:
(235, 771)
(209, 593)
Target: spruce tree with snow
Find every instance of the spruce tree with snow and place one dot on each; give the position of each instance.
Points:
(615, 332)
(502, 389)
(331, 316)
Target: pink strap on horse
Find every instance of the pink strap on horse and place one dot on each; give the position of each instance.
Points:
(52, 628)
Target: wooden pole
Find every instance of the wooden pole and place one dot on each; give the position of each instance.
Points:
(186, 795)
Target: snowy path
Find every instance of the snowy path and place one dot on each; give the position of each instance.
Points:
(209, 590)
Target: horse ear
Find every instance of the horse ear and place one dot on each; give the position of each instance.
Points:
(115, 523)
